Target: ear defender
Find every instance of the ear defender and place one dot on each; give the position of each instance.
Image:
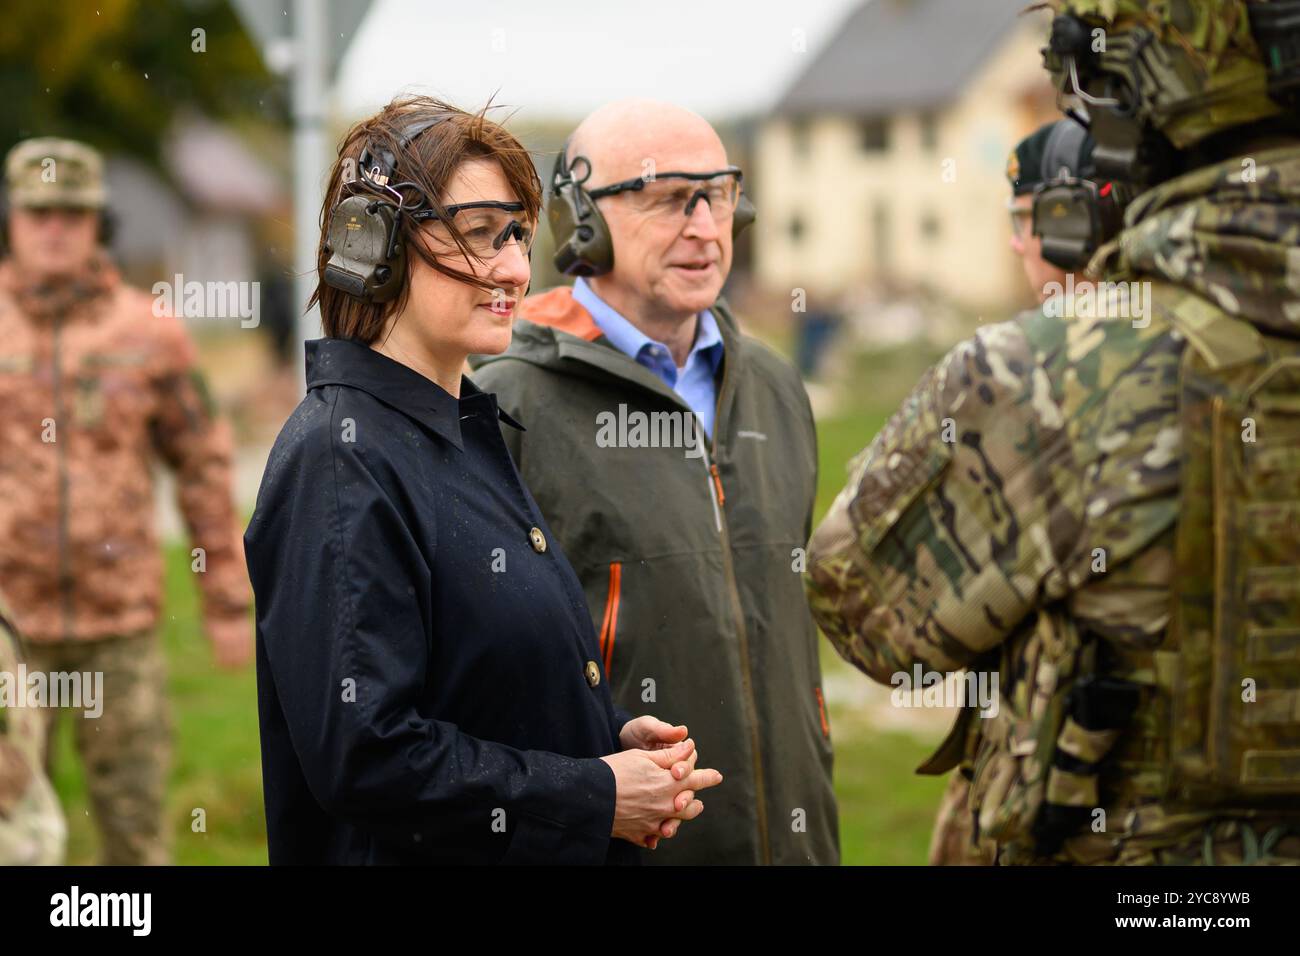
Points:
(583, 244)
(744, 215)
(1073, 214)
(367, 258)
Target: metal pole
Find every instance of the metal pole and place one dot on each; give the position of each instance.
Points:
(309, 90)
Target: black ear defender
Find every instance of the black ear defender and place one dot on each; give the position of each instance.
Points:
(1074, 218)
(1072, 214)
(367, 258)
(583, 244)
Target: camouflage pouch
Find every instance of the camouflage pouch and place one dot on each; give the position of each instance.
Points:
(1235, 714)
(1013, 758)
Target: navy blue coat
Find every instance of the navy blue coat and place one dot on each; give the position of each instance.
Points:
(428, 680)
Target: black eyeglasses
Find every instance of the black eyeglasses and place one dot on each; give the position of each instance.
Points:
(665, 193)
(487, 227)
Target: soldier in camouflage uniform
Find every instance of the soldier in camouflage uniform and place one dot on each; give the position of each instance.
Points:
(96, 386)
(32, 828)
(1098, 502)
(1056, 148)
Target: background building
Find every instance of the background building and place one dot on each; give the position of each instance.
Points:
(885, 161)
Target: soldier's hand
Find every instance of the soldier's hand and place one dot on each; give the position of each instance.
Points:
(232, 642)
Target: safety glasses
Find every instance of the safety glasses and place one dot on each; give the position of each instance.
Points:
(667, 194)
(486, 225)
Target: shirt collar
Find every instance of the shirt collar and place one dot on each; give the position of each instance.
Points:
(708, 340)
(631, 341)
(348, 362)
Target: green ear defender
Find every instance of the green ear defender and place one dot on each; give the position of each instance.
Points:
(744, 215)
(367, 258)
(583, 244)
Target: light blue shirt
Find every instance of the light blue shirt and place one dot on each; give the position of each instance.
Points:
(694, 381)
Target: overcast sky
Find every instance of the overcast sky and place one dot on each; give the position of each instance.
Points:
(561, 58)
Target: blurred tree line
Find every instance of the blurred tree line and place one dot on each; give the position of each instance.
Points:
(116, 72)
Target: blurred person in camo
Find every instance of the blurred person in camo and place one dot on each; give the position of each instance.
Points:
(1054, 151)
(32, 828)
(94, 388)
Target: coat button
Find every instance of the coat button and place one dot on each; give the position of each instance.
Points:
(537, 539)
(593, 673)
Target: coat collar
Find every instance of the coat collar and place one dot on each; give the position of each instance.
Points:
(352, 364)
(631, 341)
(578, 337)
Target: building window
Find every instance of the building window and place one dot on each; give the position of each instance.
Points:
(874, 135)
(929, 132)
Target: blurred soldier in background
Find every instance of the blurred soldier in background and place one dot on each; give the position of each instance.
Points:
(93, 388)
(32, 828)
(1025, 170)
(1054, 153)
(1096, 502)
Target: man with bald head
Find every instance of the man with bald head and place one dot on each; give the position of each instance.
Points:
(676, 461)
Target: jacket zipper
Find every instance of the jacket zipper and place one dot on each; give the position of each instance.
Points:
(746, 673)
(715, 488)
(747, 680)
(60, 455)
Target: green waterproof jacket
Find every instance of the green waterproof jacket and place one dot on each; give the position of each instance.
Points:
(690, 557)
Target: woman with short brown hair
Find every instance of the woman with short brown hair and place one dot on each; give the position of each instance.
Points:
(429, 685)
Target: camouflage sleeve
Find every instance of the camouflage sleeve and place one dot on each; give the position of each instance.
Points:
(198, 445)
(959, 518)
(32, 828)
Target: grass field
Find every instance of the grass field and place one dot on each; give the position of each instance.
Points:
(885, 810)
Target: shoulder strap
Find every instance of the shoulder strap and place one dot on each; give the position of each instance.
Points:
(1221, 340)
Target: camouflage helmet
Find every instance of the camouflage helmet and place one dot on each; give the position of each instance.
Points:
(49, 171)
(1185, 68)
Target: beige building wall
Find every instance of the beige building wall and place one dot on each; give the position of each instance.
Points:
(915, 212)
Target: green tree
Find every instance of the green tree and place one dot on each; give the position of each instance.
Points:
(115, 72)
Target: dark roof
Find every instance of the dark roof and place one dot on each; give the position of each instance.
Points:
(893, 55)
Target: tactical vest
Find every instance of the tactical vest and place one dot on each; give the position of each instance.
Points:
(1230, 675)
(1211, 720)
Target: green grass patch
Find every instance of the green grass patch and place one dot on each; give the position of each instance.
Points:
(216, 760)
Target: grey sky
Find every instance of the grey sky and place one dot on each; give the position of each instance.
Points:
(561, 58)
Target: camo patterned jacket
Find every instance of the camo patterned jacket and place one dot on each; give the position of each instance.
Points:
(1043, 442)
(32, 827)
(94, 388)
